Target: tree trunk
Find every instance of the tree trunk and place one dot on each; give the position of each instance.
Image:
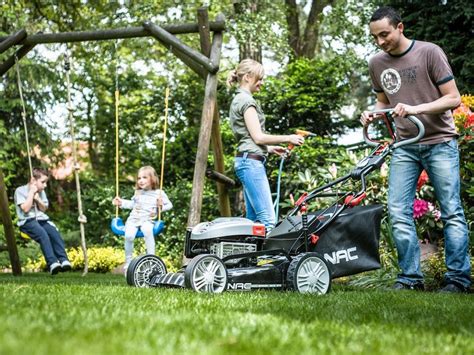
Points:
(304, 46)
(293, 22)
(249, 48)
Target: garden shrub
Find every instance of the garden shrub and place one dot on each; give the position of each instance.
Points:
(101, 259)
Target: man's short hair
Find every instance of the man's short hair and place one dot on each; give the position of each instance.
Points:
(39, 172)
(388, 12)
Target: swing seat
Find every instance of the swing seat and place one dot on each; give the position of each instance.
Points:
(25, 236)
(118, 227)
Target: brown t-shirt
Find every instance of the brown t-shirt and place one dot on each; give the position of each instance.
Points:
(414, 78)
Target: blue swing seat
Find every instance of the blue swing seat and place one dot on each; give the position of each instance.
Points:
(118, 227)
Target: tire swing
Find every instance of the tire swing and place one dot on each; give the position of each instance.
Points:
(117, 225)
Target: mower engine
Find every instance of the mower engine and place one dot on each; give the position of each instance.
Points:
(224, 236)
(224, 249)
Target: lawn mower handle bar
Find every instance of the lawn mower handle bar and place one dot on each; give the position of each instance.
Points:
(413, 119)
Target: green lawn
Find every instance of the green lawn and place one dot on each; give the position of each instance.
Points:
(100, 314)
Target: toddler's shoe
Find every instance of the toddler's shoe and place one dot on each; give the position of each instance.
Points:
(54, 268)
(66, 265)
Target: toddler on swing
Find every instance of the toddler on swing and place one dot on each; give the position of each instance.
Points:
(144, 205)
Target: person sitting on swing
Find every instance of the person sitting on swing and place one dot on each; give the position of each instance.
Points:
(31, 203)
(147, 200)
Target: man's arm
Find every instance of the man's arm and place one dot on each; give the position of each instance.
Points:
(450, 99)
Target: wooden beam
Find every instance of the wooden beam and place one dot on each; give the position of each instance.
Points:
(8, 228)
(209, 106)
(12, 40)
(10, 62)
(197, 68)
(221, 178)
(101, 35)
(170, 40)
(216, 139)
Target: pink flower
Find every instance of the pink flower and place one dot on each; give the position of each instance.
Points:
(420, 207)
(437, 215)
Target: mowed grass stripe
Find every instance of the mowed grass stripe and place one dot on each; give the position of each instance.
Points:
(100, 314)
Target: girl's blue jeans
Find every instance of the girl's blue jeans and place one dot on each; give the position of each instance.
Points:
(257, 194)
(441, 162)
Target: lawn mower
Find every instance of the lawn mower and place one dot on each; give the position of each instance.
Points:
(305, 250)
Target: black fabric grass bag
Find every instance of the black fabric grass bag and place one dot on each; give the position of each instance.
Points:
(350, 244)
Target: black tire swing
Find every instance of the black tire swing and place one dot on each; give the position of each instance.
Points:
(117, 225)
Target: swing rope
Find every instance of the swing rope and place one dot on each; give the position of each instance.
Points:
(117, 96)
(82, 218)
(23, 114)
(25, 126)
(163, 152)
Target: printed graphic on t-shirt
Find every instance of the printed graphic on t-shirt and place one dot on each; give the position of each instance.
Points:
(409, 75)
(390, 80)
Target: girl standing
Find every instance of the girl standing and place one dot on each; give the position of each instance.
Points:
(144, 205)
(248, 124)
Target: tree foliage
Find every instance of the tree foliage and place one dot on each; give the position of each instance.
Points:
(448, 23)
(306, 95)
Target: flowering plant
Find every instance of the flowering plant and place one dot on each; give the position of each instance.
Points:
(425, 213)
(464, 117)
(464, 121)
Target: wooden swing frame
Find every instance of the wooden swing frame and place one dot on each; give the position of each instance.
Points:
(204, 62)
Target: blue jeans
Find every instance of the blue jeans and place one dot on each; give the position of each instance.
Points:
(48, 237)
(257, 194)
(441, 162)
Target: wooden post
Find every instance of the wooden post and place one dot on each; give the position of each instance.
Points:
(217, 146)
(209, 106)
(8, 228)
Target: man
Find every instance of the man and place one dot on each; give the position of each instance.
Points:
(31, 203)
(414, 78)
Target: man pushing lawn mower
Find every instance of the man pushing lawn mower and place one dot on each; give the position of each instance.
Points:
(415, 78)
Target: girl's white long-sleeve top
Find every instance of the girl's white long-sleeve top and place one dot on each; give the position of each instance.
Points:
(144, 206)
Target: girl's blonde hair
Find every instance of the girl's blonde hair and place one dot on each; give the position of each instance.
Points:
(150, 171)
(247, 66)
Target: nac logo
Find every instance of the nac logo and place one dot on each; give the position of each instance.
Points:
(345, 254)
(247, 286)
